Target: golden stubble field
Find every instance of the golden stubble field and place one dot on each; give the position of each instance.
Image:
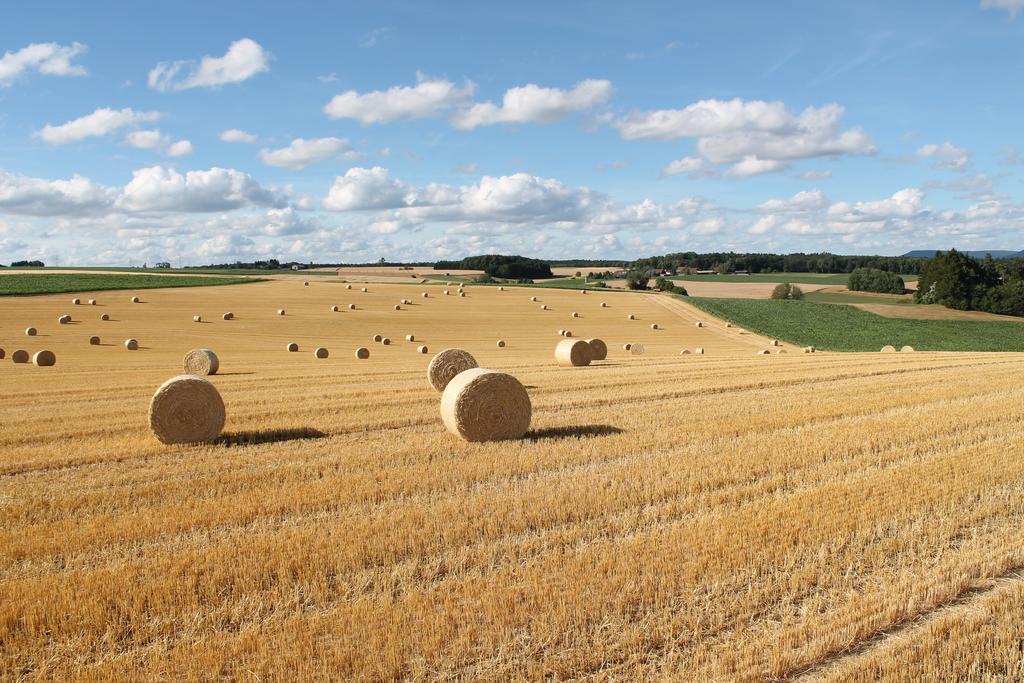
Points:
(719, 517)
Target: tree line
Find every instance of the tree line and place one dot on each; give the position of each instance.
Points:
(728, 262)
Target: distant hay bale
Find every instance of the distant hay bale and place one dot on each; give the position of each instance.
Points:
(92, 302)
(94, 341)
(228, 316)
(888, 348)
(280, 311)
(561, 333)
(135, 299)
(501, 289)
(377, 338)
(2, 354)
(351, 307)
(131, 344)
(306, 283)
(104, 317)
(583, 291)
(334, 309)
(598, 348)
(809, 349)
(573, 353)
(907, 349)
(201, 362)
(425, 295)
(462, 294)
(320, 352)
(64, 319)
(776, 342)
(365, 289)
(636, 349)
(575, 314)
(348, 286)
(421, 349)
(604, 304)
(197, 318)
(630, 317)
(20, 356)
(763, 352)
(543, 307)
(699, 350)
(386, 341)
(31, 332)
(700, 323)
(627, 347)
(568, 333)
(446, 292)
(76, 301)
(292, 347)
(186, 409)
(728, 324)
(362, 353)
(781, 351)
(501, 343)
(397, 307)
(410, 337)
(684, 352)
(533, 298)
(44, 359)
(654, 326)
(446, 365)
(486, 405)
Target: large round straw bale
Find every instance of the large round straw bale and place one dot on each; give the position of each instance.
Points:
(76, 301)
(568, 333)
(306, 283)
(94, 341)
(351, 307)
(561, 333)
(407, 302)
(421, 349)
(446, 292)
(809, 349)
(228, 316)
(630, 317)
(485, 405)
(92, 302)
(501, 289)
(386, 341)
(543, 307)
(365, 289)
(20, 356)
(397, 307)
(763, 352)
(292, 347)
(699, 350)
(446, 365)
(462, 294)
(321, 352)
(348, 286)
(334, 309)
(135, 299)
(131, 344)
(186, 409)
(501, 343)
(197, 318)
(888, 348)
(907, 349)
(654, 326)
(280, 311)
(636, 349)
(410, 337)
(684, 352)
(700, 323)
(604, 304)
(377, 338)
(533, 298)
(599, 348)
(728, 324)
(104, 317)
(201, 362)
(573, 353)
(64, 319)
(575, 314)
(583, 291)
(776, 342)
(781, 351)
(425, 295)
(44, 359)
(626, 347)
(362, 353)
(30, 331)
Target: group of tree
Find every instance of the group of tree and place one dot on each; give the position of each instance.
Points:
(958, 281)
(875, 280)
(729, 262)
(784, 290)
(499, 266)
(27, 264)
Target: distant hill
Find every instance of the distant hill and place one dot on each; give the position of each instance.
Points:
(996, 253)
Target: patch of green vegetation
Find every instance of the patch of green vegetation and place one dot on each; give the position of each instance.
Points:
(852, 298)
(189, 271)
(17, 284)
(807, 278)
(845, 328)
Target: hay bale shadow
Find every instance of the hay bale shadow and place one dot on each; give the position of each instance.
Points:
(255, 437)
(572, 432)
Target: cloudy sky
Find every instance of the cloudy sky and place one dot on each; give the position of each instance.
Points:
(210, 132)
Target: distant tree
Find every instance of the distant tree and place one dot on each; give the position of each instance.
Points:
(875, 280)
(955, 280)
(666, 285)
(784, 290)
(637, 279)
(27, 264)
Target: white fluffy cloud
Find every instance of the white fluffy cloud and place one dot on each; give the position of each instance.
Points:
(160, 189)
(366, 188)
(1014, 7)
(155, 140)
(694, 166)
(244, 59)
(38, 197)
(236, 135)
(902, 204)
(428, 97)
(180, 148)
(302, 153)
(750, 137)
(533, 104)
(50, 59)
(97, 124)
(945, 156)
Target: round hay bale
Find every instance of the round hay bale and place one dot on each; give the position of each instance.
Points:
(131, 344)
(700, 323)
(728, 324)
(228, 316)
(888, 348)
(776, 342)
(575, 314)
(446, 292)
(135, 299)
(654, 326)
(2, 354)
(599, 348)
(699, 350)
(334, 309)
(446, 365)
(186, 409)
(501, 289)
(407, 302)
(64, 319)
(397, 307)
(684, 352)
(604, 304)
(386, 341)
(320, 352)
(306, 283)
(365, 289)
(781, 351)
(907, 349)
(348, 286)
(543, 307)
(31, 332)
(92, 302)
(351, 307)
(630, 317)
(377, 338)
(501, 343)
(573, 353)
(362, 353)
(44, 359)
(462, 294)
(421, 349)
(763, 352)
(280, 311)
(533, 298)
(292, 347)
(410, 337)
(568, 333)
(197, 318)
(76, 301)
(583, 291)
(104, 317)
(485, 405)
(94, 341)
(627, 347)
(425, 295)
(561, 333)
(20, 356)
(201, 362)
(636, 349)
(809, 349)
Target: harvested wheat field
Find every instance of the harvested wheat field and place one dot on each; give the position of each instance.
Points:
(720, 517)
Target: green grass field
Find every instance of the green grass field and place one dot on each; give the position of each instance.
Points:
(845, 328)
(56, 283)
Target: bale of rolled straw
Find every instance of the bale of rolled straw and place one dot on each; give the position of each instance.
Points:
(699, 350)
(700, 323)
(781, 351)
(104, 317)
(20, 356)
(543, 307)
(907, 349)
(186, 409)
(425, 295)
(598, 348)
(809, 349)
(462, 294)
(30, 332)
(763, 352)
(292, 347)
(654, 326)
(362, 353)
(421, 349)
(636, 349)
(76, 301)
(776, 342)
(44, 359)
(575, 314)
(630, 317)
(728, 324)
(228, 316)
(501, 343)
(320, 352)
(397, 307)
(280, 311)
(888, 348)
(533, 299)
(92, 302)
(305, 284)
(446, 365)
(410, 337)
(135, 299)
(2, 354)
(568, 333)
(131, 344)
(200, 362)
(561, 333)
(486, 405)
(573, 353)
(197, 318)
(386, 341)
(334, 309)
(377, 338)
(627, 347)
(94, 341)
(351, 307)
(684, 352)
(348, 286)
(501, 289)
(446, 292)
(365, 289)
(604, 304)
(64, 319)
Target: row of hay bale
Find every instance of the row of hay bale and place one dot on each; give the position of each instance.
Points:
(574, 353)
(43, 358)
(892, 349)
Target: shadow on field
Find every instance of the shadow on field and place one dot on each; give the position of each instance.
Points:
(572, 432)
(268, 436)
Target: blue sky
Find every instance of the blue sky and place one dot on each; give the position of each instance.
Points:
(218, 131)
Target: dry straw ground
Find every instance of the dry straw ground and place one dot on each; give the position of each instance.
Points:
(717, 517)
